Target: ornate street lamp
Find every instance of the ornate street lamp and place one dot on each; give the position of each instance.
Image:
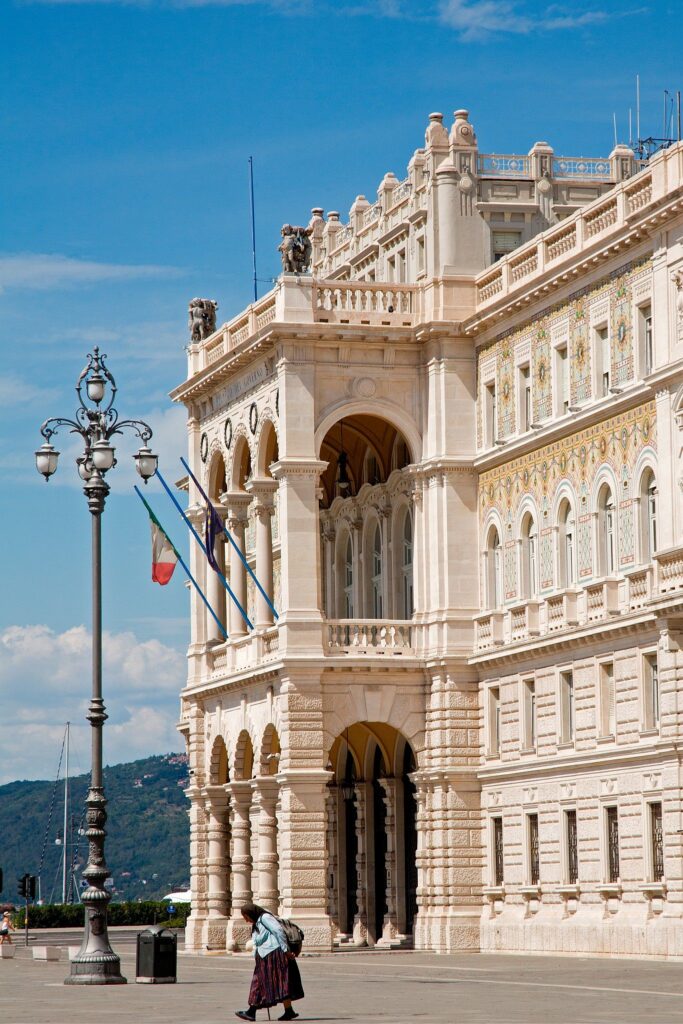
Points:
(96, 421)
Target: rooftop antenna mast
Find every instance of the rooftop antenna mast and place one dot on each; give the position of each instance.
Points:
(253, 224)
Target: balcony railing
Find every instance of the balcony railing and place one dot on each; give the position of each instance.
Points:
(369, 636)
(600, 601)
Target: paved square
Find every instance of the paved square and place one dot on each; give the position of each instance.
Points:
(360, 987)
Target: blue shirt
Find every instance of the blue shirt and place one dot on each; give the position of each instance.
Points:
(268, 936)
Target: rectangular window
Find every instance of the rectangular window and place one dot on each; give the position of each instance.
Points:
(534, 858)
(420, 254)
(645, 317)
(603, 360)
(494, 720)
(651, 691)
(561, 380)
(572, 847)
(656, 842)
(401, 265)
(529, 696)
(567, 711)
(608, 716)
(498, 858)
(524, 385)
(391, 269)
(504, 242)
(491, 413)
(612, 829)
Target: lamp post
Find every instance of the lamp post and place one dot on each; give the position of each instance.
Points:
(96, 421)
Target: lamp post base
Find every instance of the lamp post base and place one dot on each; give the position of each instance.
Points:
(100, 971)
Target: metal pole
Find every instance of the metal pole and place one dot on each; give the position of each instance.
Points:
(96, 962)
(253, 222)
(66, 806)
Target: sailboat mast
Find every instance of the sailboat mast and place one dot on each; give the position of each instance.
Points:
(66, 816)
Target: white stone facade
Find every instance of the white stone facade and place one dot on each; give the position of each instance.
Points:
(451, 455)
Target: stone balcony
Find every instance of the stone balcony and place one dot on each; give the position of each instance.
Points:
(600, 601)
(608, 224)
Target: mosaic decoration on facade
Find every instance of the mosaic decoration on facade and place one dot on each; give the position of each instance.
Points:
(618, 290)
(617, 442)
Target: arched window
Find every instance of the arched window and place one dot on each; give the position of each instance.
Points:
(529, 557)
(648, 516)
(376, 578)
(567, 546)
(348, 579)
(607, 532)
(407, 566)
(494, 570)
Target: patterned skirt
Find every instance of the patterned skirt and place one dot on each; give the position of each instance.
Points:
(276, 977)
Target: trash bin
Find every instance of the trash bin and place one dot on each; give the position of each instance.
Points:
(156, 956)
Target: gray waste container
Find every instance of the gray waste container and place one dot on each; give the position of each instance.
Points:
(156, 956)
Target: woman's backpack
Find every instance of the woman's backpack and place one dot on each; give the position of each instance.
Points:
(293, 934)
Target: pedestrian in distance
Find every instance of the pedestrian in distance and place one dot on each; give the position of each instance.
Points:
(276, 977)
(6, 927)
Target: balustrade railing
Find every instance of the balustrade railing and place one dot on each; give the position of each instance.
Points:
(361, 297)
(361, 636)
(504, 165)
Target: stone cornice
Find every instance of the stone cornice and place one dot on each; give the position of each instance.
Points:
(291, 466)
(593, 761)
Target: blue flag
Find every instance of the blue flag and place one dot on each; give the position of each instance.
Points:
(213, 528)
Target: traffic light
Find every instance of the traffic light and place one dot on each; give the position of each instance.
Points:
(22, 886)
(31, 887)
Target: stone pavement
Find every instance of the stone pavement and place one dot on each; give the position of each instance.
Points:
(363, 988)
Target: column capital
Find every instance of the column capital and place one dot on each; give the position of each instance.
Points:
(288, 467)
(263, 491)
(265, 788)
(240, 792)
(235, 504)
(216, 797)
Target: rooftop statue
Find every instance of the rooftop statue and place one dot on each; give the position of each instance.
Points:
(202, 318)
(296, 249)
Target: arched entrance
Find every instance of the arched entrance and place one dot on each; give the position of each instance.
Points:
(372, 836)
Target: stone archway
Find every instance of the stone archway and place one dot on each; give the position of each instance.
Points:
(372, 837)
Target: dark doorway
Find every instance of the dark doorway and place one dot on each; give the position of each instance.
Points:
(410, 837)
(351, 908)
(380, 835)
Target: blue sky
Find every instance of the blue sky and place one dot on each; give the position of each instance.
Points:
(126, 129)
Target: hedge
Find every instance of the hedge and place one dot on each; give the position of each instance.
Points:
(60, 915)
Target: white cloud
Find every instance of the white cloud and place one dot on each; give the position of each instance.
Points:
(42, 271)
(15, 391)
(45, 680)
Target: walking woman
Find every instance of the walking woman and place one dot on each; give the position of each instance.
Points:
(276, 977)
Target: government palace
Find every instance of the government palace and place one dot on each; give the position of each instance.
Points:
(448, 444)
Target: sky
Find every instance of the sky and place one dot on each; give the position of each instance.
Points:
(126, 130)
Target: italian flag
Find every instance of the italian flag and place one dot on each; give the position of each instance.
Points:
(164, 555)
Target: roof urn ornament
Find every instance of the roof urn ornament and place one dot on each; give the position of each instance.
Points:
(295, 249)
(202, 318)
(462, 132)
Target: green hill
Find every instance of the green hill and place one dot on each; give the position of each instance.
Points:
(148, 835)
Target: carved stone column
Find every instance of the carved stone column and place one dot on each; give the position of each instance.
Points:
(217, 846)
(263, 492)
(240, 804)
(390, 929)
(265, 798)
(362, 794)
(237, 506)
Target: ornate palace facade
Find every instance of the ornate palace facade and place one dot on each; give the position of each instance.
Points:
(450, 451)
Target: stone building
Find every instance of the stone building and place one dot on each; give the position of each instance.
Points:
(450, 452)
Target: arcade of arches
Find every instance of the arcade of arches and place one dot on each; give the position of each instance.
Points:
(371, 836)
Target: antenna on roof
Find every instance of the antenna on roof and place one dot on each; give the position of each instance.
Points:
(638, 107)
(614, 118)
(253, 223)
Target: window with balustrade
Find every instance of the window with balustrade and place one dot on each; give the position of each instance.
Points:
(529, 550)
(494, 570)
(566, 546)
(647, 493)
(493, 721)
(607, 532)
(376, 578)
(348, 580)
(529, 723)
(645, 340)
(533, 852)
(407, 566)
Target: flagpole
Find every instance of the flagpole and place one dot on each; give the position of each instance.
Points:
(202, 546)
(189, 574)
(232, 541)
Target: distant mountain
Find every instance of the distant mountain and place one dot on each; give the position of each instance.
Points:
(148, 833)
